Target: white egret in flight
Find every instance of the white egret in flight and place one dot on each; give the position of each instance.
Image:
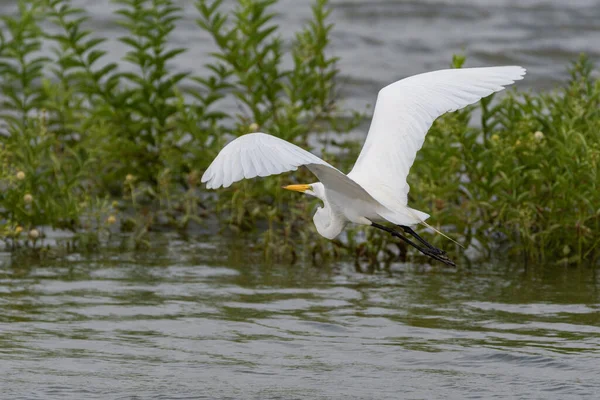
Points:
(375, 191)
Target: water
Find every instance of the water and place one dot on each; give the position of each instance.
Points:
(380, 41)
(200, 319)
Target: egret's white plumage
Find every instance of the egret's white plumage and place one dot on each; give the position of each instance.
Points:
(376, 188)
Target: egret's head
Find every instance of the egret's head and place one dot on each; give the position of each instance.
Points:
(327, 224)
(313, 189)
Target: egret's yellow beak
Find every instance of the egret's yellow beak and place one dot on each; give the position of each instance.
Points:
(297, 188)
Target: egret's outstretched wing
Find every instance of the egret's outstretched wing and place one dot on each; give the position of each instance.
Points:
(256, 154)
(404, 112)
(259, 154)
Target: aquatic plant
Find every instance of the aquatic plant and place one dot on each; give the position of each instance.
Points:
(526, 179)
(291, 103)
(89, 144)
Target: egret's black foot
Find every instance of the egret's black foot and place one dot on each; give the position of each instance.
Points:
(439, 255)
(437, 251)
(427, 249)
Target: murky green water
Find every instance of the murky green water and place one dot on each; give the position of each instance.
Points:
(202, 320)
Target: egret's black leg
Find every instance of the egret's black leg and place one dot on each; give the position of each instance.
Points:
(428, 251)
(410, 231)
(396, 234)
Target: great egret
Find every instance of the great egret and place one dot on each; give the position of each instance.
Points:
(375, 190)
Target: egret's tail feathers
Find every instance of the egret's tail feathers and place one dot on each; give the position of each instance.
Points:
(441, 233)
(420, 215)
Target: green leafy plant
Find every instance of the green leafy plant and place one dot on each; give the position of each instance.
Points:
(20, 64)
(289, 102)
(43, 185)
(526, 179)
(87, 144)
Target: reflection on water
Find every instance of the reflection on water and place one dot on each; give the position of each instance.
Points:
(199, 320)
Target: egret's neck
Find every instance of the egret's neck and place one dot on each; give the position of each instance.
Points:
(329, 224)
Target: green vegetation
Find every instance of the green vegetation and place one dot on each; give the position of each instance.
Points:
(527, 179)
(94, 147)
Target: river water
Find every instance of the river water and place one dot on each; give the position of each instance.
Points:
(200, 319)
(380, 41)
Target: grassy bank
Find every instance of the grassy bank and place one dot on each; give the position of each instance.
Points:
(98, 147)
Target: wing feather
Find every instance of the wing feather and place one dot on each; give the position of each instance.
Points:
(247, 166)
(404, 112)
(259, 154)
